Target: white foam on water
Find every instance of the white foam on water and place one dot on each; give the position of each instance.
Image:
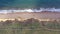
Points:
(29, 10)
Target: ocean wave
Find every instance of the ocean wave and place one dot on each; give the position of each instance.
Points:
(30, 10)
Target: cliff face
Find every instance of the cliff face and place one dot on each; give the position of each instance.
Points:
(27, 15)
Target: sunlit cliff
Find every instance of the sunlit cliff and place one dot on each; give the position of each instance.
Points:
(41, 16)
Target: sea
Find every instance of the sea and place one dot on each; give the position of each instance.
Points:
(29, 4)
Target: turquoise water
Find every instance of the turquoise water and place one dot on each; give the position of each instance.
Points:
(29, 3)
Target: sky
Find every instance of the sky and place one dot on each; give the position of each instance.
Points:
(29, 3)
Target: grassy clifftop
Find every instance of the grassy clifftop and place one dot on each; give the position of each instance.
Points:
(30, 26)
